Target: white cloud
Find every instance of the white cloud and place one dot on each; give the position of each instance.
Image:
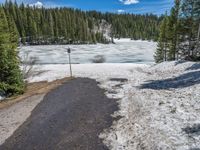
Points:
(129, 2)
(120, 11)
(38, 4)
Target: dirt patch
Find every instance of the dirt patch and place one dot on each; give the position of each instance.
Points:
(32, 89)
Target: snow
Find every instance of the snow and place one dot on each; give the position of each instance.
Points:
(124, 51)
(95, 71)
(159, 104)
(1, 98)
(163, 118)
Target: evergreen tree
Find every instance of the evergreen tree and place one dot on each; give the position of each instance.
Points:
(15, 79)
(190, 25)
(183, 32)
(172, 34)
(161, 54)
(4, 46)
(11, 81)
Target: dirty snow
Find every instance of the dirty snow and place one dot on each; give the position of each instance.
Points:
(159, 105)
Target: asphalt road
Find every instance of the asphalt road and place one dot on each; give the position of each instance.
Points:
(69, 118)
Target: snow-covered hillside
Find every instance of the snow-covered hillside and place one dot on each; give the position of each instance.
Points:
(159, 105)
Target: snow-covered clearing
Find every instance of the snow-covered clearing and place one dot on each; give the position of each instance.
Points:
(159, 105)
(124, 51)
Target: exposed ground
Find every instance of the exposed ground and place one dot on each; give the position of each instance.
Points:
(70, 117)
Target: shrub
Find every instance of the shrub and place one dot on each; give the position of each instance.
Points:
(98, 59)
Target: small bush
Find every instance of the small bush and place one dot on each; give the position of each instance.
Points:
(98, 59)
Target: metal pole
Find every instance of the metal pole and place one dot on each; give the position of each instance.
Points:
(70, 66)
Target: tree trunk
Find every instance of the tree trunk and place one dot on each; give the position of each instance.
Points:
(198, 42)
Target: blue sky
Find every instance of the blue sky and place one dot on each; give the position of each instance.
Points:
(116, 6)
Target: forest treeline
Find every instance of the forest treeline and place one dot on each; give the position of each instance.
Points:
(179, 37)
(68, 25)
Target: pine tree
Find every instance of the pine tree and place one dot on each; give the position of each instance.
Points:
(172, 34)
(11, 81)
(189, 26)
(14, 78)
(4, 46)
(160, 54)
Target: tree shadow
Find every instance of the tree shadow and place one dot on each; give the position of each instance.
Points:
(193, 130)
(194, 67)
(180, 62)
(184, 80)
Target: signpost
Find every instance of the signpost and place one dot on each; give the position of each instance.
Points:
(70, 66)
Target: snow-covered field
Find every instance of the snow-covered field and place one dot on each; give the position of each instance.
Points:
(124, 51)
(159, 105)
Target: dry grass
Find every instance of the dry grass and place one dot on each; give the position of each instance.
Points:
(34, 89)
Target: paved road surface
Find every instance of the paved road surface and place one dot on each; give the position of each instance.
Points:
(69, 118)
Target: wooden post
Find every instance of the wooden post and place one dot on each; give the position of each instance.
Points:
(70, 66)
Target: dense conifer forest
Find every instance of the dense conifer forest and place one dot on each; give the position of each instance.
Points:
(67, 25)
(179, 37)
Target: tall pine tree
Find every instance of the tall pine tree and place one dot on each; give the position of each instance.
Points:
(172, 31)
(11, 81)
(161, 54)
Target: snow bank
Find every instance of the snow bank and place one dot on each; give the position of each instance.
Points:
(122, 40)
(128, 40)
(160, 109)
(95, 71)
